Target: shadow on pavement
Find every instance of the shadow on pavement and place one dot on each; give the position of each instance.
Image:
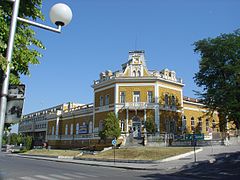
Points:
(222, 166)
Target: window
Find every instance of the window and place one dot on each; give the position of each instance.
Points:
(136, 96)
(101, 125)
(77, 128)
(139, 73)
(71, 129)
(184, 123)
(149, 97)
(90, 127)
(134, 73)
(166, 99)
(173, 101)
(192, 124)
(200, 124)
(56, 128)
(107, 100)
(122, 125)
(207, 125)
(53, 130)
(66, 129)
(122, 97)
(101, 101)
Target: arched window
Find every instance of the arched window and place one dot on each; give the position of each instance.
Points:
(90, 127)
(134, 73)
(101, 125)
(192, 124)
(200, 124)
(184, 123)
(101, 101)
(139, 73)
(122, 125)
(71, 129)
(173, 101)
(66, 129)
(166, 99)
(77, 128)
(207, 125)
(53, 130)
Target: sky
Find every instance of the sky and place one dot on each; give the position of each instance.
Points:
(101, 34)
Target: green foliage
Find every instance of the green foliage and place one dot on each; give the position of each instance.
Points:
(20, 139)
(25, 42)
(14, 139)
(150, 125)
(111, 127)
(28, 142)
(219, 75)
(4, 140)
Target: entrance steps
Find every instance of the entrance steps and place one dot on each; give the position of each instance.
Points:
(133, 142)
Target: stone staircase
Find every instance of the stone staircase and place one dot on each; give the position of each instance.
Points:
(133, 142)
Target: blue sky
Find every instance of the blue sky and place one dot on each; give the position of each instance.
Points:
(103, 31)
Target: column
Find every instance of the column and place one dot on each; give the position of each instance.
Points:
(127, 120)
(59, 113)
(157, 121)
(145, 116)
(145, 130)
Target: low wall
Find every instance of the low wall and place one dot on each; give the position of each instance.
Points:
(88, 144)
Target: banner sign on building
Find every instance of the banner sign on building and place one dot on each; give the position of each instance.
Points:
(83, 129)
(194, 137)
(15, 103)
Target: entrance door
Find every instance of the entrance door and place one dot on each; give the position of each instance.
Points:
(136, 126)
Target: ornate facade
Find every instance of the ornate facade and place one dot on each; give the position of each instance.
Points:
(136, 95)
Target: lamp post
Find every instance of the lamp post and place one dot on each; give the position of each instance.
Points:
(60, 14)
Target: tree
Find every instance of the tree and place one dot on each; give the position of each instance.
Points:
(28, 142)
(219, 75)
(150, 125)
(111, 127)
(25, 42)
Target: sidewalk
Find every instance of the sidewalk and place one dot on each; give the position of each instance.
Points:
(208, 154)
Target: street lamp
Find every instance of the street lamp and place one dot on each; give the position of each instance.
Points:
(60, 14)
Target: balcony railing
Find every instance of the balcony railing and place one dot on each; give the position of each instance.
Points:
(146, 105)
(71, 137)
(139, 105)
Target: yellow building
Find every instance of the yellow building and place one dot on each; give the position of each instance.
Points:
(135, 94)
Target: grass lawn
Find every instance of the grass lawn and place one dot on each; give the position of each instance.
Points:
(53, 152)
(140, 153)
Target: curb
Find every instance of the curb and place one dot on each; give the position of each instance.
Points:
(70, 159)
(180, 156)
(87, 163)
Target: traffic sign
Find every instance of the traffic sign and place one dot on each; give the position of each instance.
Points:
(114, 142)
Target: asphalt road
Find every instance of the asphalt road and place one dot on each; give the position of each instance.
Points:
(226, 166)
(17, 168)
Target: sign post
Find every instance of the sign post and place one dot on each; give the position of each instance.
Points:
(194, 146)
(114, 142)
(15, 103)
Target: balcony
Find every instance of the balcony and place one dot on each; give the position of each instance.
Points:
(72, 137)
(139, 105)
(146, 105)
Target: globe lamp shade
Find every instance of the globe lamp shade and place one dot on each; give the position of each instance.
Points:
(60, 14)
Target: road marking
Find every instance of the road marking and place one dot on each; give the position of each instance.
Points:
(45, 177)
(87, 175)
(27, 178)
(75, 176)
(59, 176)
